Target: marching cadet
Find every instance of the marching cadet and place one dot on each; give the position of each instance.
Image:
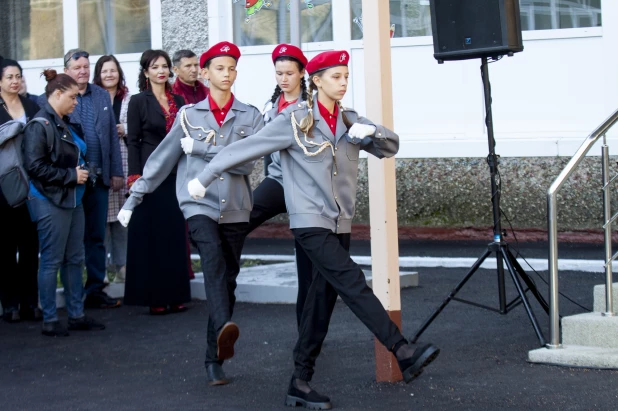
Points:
(319, 142)
(268, 199)
(218, 219)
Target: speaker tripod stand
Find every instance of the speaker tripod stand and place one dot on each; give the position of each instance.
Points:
(498, 246)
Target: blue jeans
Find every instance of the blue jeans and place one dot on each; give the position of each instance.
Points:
(61, 235)
(95, 202)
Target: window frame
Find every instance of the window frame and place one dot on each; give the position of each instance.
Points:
(71, 36)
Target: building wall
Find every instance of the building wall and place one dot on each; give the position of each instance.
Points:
(185, 25)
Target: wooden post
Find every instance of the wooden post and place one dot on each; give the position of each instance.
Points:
(382, 184)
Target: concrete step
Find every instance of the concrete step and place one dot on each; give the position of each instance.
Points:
(599, 298)
(271, 283)
(276, 283)
(590, 330)
(576, 356)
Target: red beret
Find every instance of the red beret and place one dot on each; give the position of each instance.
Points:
(225, 48)
(328, 59)
(288, 50)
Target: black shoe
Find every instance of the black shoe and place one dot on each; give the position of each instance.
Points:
(84, 324)
(226, 339)
(101, 300)
(412, 366)
(11, 316)
(215, 375)
(54, 329)
(31, 314)
(311, 400)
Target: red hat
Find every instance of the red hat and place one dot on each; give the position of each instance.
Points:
(225, 48)
(328, 59)
(288, 50)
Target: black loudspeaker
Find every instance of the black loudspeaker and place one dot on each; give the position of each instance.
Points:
(467, 29)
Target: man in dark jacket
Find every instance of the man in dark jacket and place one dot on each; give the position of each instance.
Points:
(96, 115)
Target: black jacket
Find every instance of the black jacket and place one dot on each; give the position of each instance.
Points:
(53, 172)
(146, 126)
(30, 107)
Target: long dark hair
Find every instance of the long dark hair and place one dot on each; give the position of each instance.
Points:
(122, 89)
(303, 84)
(57, 81)
(146, 60)
(4, 63)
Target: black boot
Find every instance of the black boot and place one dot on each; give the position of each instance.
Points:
(215, 375)
(412, 360)
(307, 397)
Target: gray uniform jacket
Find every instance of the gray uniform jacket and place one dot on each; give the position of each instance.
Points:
(274, 168)
(229, 200)
(320, 188)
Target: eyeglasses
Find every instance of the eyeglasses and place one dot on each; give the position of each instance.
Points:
(76, 56)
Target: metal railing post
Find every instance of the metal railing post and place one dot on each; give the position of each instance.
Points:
(607, 229)
(552, 224)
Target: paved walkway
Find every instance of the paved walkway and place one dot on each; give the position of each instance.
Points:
(156, 363)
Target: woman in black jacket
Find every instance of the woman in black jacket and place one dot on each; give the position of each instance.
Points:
(18, 284)
(157, 265)
(55, 159)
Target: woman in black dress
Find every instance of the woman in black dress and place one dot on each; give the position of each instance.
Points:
(157, 265)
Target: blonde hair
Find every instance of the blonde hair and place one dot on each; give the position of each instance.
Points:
(306, 124)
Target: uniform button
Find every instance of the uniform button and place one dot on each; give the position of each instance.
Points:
(335, 197)
(221, 217)
(223, 201)
(379, 134)
(336, 148)
(242, 132)
(221, 178)
(221, 136)
(337, 225)
(199, 135)
(299, 105)
(64, 136)
(335, 173)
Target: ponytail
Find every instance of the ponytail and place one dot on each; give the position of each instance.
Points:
(306, 124)
(347, 122)
(276, 94)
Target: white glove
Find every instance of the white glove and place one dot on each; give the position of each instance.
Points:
(361, 130)
(124, 216)
(187, 144)
(196, 189)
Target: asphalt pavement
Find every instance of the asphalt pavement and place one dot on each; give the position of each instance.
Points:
(142, 362)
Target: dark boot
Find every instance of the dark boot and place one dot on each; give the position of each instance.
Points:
(54, 329)
(412, 360)
(85, 324)
(215, 375)
(306, 397)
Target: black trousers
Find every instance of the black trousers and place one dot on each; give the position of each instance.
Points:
(18, 278)
(269, 202)
(335, 274)
(220, 247)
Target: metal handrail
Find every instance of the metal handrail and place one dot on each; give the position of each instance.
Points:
(552, 222)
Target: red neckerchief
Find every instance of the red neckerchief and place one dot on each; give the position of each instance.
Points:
(171, 115)
(331, 119)
(283, 104)
(220, 113)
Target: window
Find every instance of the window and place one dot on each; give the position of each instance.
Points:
(31, 29)
(266, 22)
(559, 14)
(114, 26)
(411, 18)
